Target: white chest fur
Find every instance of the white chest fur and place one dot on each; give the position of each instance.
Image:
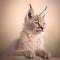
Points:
(37, 41)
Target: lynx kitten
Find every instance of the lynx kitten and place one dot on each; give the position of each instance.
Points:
(31, 39)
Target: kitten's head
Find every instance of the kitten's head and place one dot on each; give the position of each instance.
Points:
(35, 23)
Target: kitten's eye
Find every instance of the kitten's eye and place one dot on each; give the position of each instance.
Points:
(36, 23)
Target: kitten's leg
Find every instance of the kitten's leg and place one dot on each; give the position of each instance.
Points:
(19, 52)
(26, 53)
(42, 53)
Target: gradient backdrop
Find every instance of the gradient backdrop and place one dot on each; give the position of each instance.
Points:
(12, 19)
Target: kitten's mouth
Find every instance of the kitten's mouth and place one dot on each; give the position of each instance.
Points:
(39, 30)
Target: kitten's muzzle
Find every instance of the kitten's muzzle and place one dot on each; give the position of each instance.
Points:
(39, 29)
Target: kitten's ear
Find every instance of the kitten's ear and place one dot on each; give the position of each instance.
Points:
(42, 14)
(30, 13)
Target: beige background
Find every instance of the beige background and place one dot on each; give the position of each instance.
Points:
(12, 19)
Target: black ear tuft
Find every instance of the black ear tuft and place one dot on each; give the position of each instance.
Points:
(30, 5)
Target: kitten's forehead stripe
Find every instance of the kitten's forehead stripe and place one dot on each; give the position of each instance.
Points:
(38, 18)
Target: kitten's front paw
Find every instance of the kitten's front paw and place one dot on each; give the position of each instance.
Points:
(29, 54)
(44, 54)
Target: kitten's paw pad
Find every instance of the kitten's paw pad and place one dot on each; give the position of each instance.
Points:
(44, 55)
(29, 54)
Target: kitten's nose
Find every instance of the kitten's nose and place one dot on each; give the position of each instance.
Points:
(41, 28)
